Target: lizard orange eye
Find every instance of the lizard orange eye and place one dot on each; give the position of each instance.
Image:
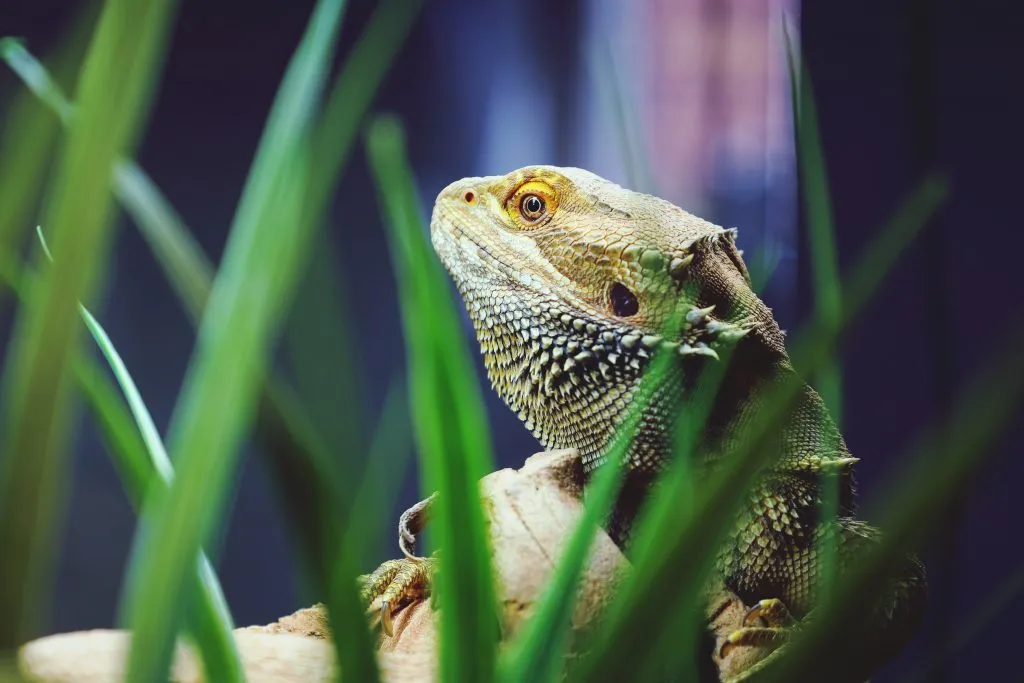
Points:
(532, 207)
(532, 204)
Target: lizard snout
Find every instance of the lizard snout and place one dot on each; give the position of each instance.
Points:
(465, 192)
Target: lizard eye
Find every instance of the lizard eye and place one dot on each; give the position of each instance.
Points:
(532, 207)
(624, 302)
(532, 204)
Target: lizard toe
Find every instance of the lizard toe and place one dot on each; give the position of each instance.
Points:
(768, 638)
(394, 584)
(771, 612)
(411, 523)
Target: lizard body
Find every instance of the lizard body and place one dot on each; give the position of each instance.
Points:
(571, 281)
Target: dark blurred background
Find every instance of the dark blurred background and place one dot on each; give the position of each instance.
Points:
(902, 87)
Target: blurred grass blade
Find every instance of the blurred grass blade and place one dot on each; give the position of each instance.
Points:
(26, 141)
(820, 219)
(35, 77)
(450, 423)
(354, 89)
(826, 287)
(218, 400)
(188, 269)
(28, 135)
(999, 600)
(606, 73)
(762, 265)
(117, 425)
(873, 264)
(386, 464)
(336, 508)
(538, 652)
(114, 91)
(211, 624)
(210, 621)
(324, 358)
(675, 544)
(940, 463)
(300, 461)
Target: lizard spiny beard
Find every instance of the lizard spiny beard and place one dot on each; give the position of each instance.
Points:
(571, 378)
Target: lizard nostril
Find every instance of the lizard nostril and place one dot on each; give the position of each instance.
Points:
(469, 197)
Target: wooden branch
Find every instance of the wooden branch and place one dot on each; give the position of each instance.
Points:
(531, 513)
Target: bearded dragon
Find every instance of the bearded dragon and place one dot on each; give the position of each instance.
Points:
(570, 281)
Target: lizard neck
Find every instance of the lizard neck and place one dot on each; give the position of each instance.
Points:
(807, 441)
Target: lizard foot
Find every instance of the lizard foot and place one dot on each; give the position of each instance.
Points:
(768, 624)
(393, 585)
(396, 583)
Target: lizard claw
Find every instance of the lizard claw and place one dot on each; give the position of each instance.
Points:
(393, 585)
(386, 624)
(767, 625)
(770, 612)
(411, 523)
(769, 638)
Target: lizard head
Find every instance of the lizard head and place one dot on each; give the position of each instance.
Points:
(570, 281)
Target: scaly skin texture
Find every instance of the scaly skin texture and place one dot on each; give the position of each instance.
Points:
(570, 282)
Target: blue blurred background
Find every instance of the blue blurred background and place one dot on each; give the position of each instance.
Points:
(700, 87)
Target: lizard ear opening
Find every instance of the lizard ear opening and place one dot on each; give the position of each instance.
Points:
(624, 303)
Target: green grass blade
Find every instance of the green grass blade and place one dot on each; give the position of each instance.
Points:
(450, 423)
(28, 135)
(218, 400)
(676, 543)
(346, 105)
(299, 458)
(353, 90)
(26, 141)
(762, 266)
(210, 623)
(607, 76)
(820, 220)
(324, 358)
(538, 652)
(138, 455)
(826, 287)
(390, 451)
(188, 269)
(114, 92)
(35, 77)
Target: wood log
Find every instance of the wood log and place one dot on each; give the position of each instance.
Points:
(530, 511)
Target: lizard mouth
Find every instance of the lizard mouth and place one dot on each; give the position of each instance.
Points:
(454, 242)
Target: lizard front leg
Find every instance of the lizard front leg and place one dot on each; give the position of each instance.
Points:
(897, 611)
(396, 583)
